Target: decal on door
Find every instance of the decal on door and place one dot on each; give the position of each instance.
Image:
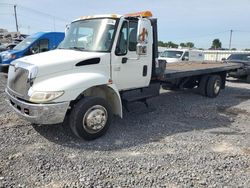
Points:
(143, 36)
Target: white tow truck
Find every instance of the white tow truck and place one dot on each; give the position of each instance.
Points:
(104, 63)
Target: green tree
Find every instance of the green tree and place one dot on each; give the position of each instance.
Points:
(187, 45)
(183, 45)
(216, 44)
(190, 44)
(170, 44)
(161, 43)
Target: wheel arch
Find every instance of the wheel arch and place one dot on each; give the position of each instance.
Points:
(107, 92)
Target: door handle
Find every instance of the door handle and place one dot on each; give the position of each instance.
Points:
(124, 60)
(145, 70)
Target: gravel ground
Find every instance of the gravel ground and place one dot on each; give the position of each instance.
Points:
(181, 140)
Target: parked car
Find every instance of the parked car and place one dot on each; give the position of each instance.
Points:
(36, 43)
(2, 48)
(243, 72)
(178, 55)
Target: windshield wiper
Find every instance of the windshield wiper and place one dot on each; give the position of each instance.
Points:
(77, 48)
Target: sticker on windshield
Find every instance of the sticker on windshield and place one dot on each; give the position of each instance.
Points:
(111, 22)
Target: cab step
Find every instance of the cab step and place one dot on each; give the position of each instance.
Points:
(140, 95)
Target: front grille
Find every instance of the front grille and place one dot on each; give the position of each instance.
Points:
(18, 81)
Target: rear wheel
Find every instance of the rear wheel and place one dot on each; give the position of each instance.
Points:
(214, 84)
(90, 118)
(203, 85)
(248, 79)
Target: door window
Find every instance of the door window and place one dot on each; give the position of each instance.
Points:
(186, 56)
(40, 46)
(133, 27)
(43, 45)
(121, 48)
(127, 38)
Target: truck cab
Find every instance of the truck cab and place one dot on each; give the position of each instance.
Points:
(36, 43)
(179, 55)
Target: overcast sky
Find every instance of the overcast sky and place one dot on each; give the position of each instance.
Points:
(198, 21)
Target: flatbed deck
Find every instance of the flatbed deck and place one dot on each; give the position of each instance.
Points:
(186, 69)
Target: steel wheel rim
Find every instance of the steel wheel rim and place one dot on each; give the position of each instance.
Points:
(95, 119)
(216, 86)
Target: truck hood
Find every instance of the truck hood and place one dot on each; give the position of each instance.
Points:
(57, 60)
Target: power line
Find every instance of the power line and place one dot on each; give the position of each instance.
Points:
(201, 36)
(36, 11)
(242, 31)
(46, 14)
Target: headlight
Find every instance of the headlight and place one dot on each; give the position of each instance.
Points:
(7, 56)
(45, 96)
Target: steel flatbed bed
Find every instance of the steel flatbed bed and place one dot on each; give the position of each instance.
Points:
(189, 69)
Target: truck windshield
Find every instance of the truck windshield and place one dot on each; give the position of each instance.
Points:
(90, 35)
(172, 54)
(24, 44)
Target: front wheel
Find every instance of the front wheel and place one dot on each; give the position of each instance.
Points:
(90, 118)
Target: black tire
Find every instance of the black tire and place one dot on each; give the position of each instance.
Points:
(203, 85)
(83, 110)
(4, 69)
(214, 84)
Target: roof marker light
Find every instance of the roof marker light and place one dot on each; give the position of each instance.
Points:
(140, 14)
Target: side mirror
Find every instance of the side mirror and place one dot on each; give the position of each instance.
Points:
(33, 50)
(223, 59)
(141, 49)
(142, 36)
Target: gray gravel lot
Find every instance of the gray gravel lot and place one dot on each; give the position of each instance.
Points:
(181, 140)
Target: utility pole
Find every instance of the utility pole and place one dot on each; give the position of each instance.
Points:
(230, 40)
(15, 18)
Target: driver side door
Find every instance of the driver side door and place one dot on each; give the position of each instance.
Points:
(129, 70)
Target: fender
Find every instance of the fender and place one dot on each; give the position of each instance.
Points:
(75, 84)
(117, 100)
(72, 84)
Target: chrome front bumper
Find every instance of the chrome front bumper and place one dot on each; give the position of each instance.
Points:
(39, 113)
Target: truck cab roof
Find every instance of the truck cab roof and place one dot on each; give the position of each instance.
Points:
(137, 14)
